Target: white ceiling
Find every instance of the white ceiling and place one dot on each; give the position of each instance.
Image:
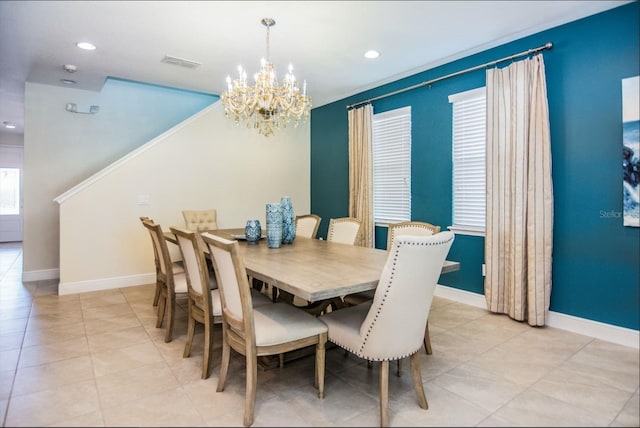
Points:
(324, 40)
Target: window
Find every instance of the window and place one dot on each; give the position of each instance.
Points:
(469, 141)
(9, 191)
(392, 166)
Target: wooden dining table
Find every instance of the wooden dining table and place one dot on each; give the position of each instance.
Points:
(313, 269)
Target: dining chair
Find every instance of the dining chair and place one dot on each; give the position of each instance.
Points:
(177, 267)
(345, 230)
(203, 294)
(170, 283)
(307, 225)
(391, 326)
(414, 228)
(261, 330)
(200, 220)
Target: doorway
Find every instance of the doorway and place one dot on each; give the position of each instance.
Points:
(11, 193)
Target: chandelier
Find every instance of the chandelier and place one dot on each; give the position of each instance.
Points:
(267, 105)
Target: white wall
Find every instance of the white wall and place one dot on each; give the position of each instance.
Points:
(205, 162)
(61, 148)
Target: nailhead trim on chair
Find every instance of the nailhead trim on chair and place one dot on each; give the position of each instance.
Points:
(364, 342)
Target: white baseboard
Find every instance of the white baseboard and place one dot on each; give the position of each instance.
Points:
(610, 333)
(105, 284)
(40, 275)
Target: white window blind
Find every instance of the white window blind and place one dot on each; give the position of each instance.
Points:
(392, 166)
(469, 148)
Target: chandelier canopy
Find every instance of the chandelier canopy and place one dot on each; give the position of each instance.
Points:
(267, 105)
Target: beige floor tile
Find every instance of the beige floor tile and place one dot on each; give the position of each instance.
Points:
(15, 310)
(96, 359)
(3, 408)
(446, 409)
(53, 406)
(52, 375)
(122, 359)
(50, 320)
(9, 359)
(99, 326)
(118, 339)
(13, 325)
(629, 416)
(479, 387)
(91, 419)
(38, 336)
(614, 365)
(107, 311)
(152, 410)
(532, 408)
(121, 387)
(11, 341)
(96, 299)
(42, 354)
(6, 383)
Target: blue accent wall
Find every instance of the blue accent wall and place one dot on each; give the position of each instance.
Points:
(596, 260)
(153, 108)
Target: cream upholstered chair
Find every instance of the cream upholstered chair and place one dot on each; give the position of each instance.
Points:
(262, 330)
(203, 294)
(414, 228)
(307, 225)
(204, 303)
(200, 220)
(391, 327)
(177, 267)
(345, 230)
(171, 283)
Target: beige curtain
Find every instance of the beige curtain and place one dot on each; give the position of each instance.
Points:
(518, 242)
(361, 171)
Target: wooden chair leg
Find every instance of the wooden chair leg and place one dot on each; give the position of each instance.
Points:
(156, 296)
(320, 364)
(171, 312)
(224, 363)
(208, 339)
(250, 397)
(427, 340)
(417, 380)
(384, 393)
(191, 329)
(162, 304)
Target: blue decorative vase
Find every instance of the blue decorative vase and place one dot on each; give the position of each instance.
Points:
(288, 221)
(274, 225)
(253, 232)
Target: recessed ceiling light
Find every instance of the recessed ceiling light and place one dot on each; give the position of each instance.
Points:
(68, 81)
(371, 54)
(86, 46)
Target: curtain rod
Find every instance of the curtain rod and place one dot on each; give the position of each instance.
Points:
(547, 45)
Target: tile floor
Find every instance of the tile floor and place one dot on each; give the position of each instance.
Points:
(96, 359)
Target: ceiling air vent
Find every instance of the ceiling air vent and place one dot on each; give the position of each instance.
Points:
(180, 61)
